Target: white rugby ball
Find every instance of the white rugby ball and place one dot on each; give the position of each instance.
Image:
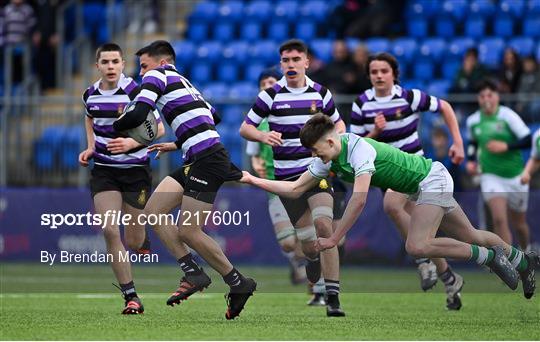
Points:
(146, 132)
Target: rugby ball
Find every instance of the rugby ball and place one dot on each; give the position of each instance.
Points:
(146, 132)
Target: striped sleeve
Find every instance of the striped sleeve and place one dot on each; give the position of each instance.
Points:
(357, 118)
(152, 87)
(329, 107)
(85, 96)
(422, 102)
(132, 90)
(259, 110)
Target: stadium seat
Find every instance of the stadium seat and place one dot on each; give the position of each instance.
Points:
(323, 49)
(537, 53)
(445, 27)
(503, 26)
(305, 30)
(404, 48)
(223, 31)
(250, 31)
(231, 11)
(243, 90)
(490, 51)
(514, 8)
(287, 10)
(458, 9)
(475, 27)
(252, 72)
(376, 45)
(439, 88)
(417, 28)
(450, 67)
(484, 8)
(197, 32)
(433, 48)
(315, 10)
(352, 43)
(227, 72)
(413, 84)
(423, 69)
(533, 7)
(185, 51)
(265, 51)
(70, 147)
(278, 31)
(210, 51)
(459, 45)
(215, 91)
(531, 27)
(523, 45)
(236, 50)
(200, 73)
(422, 8)
(260, 10)
(233, 115)
(205, 10)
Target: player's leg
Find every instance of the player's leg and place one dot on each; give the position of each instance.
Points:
(495, 192)
(518, 202)
(520, 225)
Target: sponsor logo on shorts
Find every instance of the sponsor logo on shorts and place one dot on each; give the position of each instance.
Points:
(186, 170)
(142, 197)
(198, 180)
(323, 184)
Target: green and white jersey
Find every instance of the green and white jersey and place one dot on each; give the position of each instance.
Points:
(535, 150)
(390, 168)
(505, 125)
(264, 151)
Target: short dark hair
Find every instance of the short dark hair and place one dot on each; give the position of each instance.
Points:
(317, 127)
(388, 58)
(487, 84)
(269, 72)
(293, 44)
(108, 47)
(158, 48)
(472, 51)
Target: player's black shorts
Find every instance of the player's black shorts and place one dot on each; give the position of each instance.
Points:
(133, 183)
(297, 207)
(202, 179)
(340, 197)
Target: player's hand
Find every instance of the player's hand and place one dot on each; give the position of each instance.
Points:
(246, 177)
(525, 177)
(162, 148)
(496, 146)
(258, 165)
(272, 138)
(456, 153)
(380, 123)
(323, 244)
(85, 156)
(472, 168)
(121, 145)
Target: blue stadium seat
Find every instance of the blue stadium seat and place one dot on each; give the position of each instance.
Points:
(323, 49)
(200, 73)
(433, 48)
(250, 31)
(459, 45)
(445, 27)
(503, 26)
(236, 50)
(417, 28)
(233, 115)
(223, 31)
(439, 88)
(475, 27)
(413, 84)
(231, 11)
(286, 9)
(422, 8)
(484, 8)
(537, 53)
(423, 69)
(531, 26)
(205, 10)
(514, 8)
(352, 43)
(376, 45)
(70, 147)
(305, 30)
(278, 31)
(185, 51)
(243, 90)
(533, 7)
(315, 10)
(265, 51)
(252, 72)
(490, 51)
(404, 48)
(450, 67)
(456, 8)
(215, 91)
(227, 72)
(210, 51)
(523, 45)
(260, 10)
(197, 32)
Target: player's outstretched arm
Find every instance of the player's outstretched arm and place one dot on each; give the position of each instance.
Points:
(290, 189)
(354, 208)
(251, 133)
(532, 166)
(456, 151)
(133, 118)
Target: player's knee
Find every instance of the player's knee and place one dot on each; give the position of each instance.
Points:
(288, 245)
(392, 209)
(133, 243)
(416, 249)
(286, 237)
(111, 234)
(323, 226)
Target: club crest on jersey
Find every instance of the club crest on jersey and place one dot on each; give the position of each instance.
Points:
(398, 113)
(142, 197)
(120, 109)
(313, 108)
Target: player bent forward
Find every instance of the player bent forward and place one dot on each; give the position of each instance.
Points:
(366, 162)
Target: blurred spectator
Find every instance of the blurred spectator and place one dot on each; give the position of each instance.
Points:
(316, 66)
(467, 78)
(148, 18)
(440, 143)
(339, 73)
(46, 42)
(361, 80)
(510, 71)
(19, 28)
(529, 83)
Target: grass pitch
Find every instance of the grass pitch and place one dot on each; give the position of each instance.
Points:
(38, 302)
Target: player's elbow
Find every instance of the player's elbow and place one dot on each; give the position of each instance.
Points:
(244, 129)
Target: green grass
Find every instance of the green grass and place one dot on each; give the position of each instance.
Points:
(38, 302)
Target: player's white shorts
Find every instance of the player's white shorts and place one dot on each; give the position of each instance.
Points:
(517, 194)
(277, 210)
(436, 189)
